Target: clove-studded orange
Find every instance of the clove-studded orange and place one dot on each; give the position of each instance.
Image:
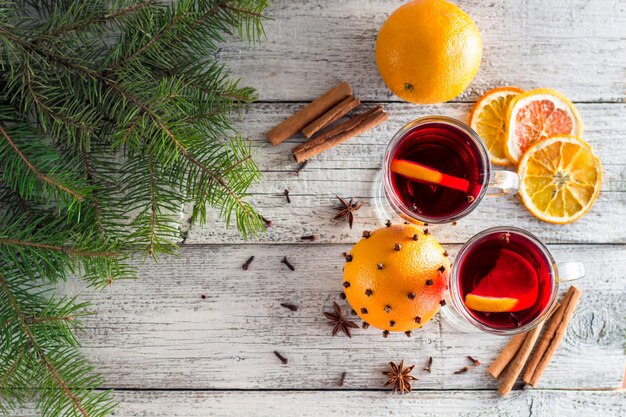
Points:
(395, 277)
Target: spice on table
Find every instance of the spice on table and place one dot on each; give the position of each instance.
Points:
(268, 223)
(347, 209)
(301, 167)
(286, 262)
(552, 338)
(286, 193)
(475, 362)
(247, 264)
(462, 370)
(339, 322)
(428, 367)
(508, 353)
(340, 133)
(308, 237)
(399, 377)
(281, 357)
(342, 379)
(289, 127)
(332, 115)
(289, 306)
(509, 376)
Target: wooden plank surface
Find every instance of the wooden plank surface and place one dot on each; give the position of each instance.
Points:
(158, 331)
(365, 404)
(350, 170)
(576, 46)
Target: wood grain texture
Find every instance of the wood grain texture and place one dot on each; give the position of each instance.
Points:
(573, 46)
(158, 331)
(350, 170)
(533, 403)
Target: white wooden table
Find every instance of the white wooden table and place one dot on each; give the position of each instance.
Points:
(167, 351)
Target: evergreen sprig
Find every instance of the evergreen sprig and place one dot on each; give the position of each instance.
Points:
(114, 114)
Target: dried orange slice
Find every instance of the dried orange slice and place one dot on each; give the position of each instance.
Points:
(536, 115)
(560, 179)
(488, 119)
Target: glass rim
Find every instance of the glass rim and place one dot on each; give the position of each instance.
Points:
(455, 294)
(396, 202)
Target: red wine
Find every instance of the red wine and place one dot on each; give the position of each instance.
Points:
(448, 150)
(481, 260)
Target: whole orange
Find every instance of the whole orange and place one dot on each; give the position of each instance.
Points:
(395, 277)
(428, 51)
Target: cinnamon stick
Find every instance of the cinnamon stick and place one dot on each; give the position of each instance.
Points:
(545, 340)
(515, 367)
(556, 336)
(332, 115)
(508, 353)
(308, 113)
(340, 133)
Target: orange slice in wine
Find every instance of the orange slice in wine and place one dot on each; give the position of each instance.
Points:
(512, 285)
(424, 174)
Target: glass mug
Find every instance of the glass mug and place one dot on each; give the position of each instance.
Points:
(476, 258)
(443, 145)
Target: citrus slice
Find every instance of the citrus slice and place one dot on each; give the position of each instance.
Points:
(488, 119)
(536, 115)
(424, 174)
(560, 179)
(512, 285)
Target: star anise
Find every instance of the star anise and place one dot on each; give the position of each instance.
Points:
(339, 322)
(347, 209)
(400, 377)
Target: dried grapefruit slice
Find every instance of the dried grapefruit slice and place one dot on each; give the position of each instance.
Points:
(560, 179)
(512, 285)
(488, 119)
(536, 115)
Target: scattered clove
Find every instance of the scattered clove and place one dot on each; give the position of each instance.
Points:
(286, 262)
(342, 296)
(268, 223)
(301, 167)
(247, 264)
(386, 334)
(342, 379)
(442, 303)
(366, 233)
(203, 297)
(365, 325)
(281, 357)
(347, 256)
(429, 365)
(308, 237)
(462, 370)
(408, 333)
(388, 223)
(475, 362)
(286, 192)
(290, 306)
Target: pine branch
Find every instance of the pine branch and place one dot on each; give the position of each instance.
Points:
(33, 169)
(60, 368)
(113, 114)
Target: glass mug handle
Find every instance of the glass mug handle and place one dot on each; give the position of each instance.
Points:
(503, 182)
(570, 271)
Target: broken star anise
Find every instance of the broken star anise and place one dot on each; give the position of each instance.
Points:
(339, 322)
(347, 209)
(400, 377)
